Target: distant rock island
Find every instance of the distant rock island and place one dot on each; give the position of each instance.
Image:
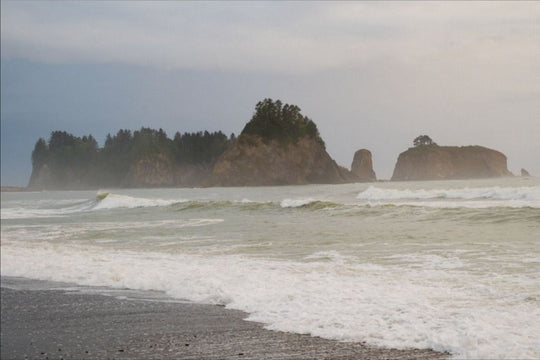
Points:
(278, 146)
(144, 158)
(429, 161)
(362, 166)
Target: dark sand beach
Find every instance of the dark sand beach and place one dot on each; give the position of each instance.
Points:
(40, 322)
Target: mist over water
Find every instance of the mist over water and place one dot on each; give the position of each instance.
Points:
(453, 265)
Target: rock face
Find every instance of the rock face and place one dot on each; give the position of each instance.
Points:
(525, 173)
(362, 166)
(41, 177)
(74, 178)
(161, 171)
(150, 171)
(434, 162)
(252, 161)
(156, 170)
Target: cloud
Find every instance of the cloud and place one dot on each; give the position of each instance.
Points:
(462, 72)
(279, 37)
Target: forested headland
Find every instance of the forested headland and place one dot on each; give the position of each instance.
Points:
(78, 162)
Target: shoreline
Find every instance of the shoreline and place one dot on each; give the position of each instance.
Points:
(14, 189)
(41, 320)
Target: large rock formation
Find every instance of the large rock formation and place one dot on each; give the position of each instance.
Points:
(362, 166)
(278, 146)
(155, 170)
(160, 171)
(253, 161)
(432, 162)
(144, 158)
(41, 177)
(71, 178)
(150, 171)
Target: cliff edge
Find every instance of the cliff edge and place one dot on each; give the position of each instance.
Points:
(433, 162)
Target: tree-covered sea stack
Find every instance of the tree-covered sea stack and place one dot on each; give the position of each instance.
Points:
(429, 161)
(278, 146)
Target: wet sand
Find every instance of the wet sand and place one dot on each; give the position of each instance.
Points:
(39, 322)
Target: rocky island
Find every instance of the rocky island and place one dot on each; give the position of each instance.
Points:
(429, 161)
(362, 166)
(144, 158)
(278, 146)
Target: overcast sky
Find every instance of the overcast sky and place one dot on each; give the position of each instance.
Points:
(371, 74)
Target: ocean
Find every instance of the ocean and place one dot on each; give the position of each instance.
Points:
(447, 265)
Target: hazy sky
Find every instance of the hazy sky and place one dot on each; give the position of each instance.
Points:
(371, 74)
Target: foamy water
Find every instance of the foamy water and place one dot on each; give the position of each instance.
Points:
(479, 197)
(451, 266)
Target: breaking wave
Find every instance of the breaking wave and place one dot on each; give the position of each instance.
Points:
(372, 197)
(463, 197)
(328, 295)
(114, 201)
(308, 204)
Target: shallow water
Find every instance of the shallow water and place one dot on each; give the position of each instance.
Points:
(452, 265)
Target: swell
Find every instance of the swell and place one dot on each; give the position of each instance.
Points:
(485, 204)
(525, 193)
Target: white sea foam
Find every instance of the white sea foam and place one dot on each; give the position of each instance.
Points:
(460, 204)
(294, 203)
(114, 201)
(472, 316)
(391, 276)
(462, 197)
(328, 256)
(25, 213)
(46, 209)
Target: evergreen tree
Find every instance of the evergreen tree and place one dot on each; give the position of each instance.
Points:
(423, 140)
(274, 121)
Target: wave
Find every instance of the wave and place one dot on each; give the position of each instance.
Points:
(46, 209)
(111, 201)
(115, 201)
(329, 295)
(309, 204)
(369, 199)
(464, 197)
(102, 201)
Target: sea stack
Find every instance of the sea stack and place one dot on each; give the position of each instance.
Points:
(433, 162)
(362, 166)
(524, 172)
(278, 146)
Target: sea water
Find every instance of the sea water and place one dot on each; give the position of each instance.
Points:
(452, 265)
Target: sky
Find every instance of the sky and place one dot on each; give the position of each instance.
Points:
(371, 75)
